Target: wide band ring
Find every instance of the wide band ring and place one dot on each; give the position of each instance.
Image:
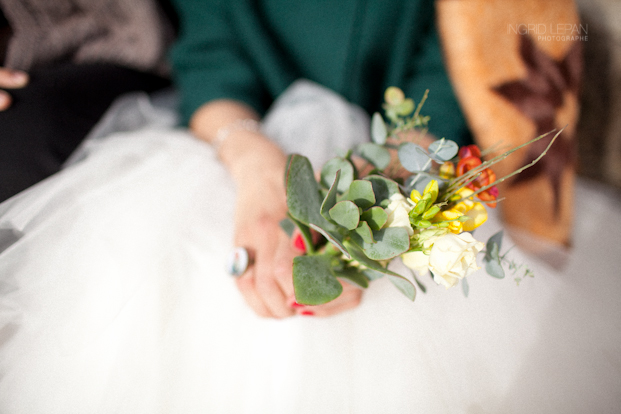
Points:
(238, 261)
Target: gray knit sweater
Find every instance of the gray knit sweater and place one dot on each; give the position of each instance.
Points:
(132, 33)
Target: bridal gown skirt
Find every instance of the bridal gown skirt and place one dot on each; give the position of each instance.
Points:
(114, 299)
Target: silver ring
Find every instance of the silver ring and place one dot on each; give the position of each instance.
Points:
(238, 261)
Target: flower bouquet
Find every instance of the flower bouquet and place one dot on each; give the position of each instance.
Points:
(392, 198)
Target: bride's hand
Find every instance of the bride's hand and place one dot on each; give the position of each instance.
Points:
(261, 204)
(257, 166)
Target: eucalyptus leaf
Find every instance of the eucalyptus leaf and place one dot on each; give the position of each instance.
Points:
(465, 287)
(361, 193)
(306, 234)
(389, 243)
(365, 233)
(330, 200)
(413, 157)
(288, 226)
(373, 274)
(378, 129)
(496, 239)
(376, 217)
(328, 172)
(420, 285)
(353, 275)
(375, 154)
(358, 255)
(333, 237)
(345, 214)
(493, 266)
(314, 282)
(303, 197)
(383, 188)
(443, 150)
(405, 286)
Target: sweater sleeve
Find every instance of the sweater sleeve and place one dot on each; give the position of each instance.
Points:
(208, 60)
(427, 71)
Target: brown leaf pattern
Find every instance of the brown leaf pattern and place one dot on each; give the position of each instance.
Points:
(538, 96)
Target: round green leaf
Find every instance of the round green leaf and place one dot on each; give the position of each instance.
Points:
(443, 150)
(313, 280)
(376, 217)
(378, 129)
(383, 188)
(413, 157)
(365, 233)
(345, 213)
(328, 173)
(361, 193)
(375, 154)
(390, 242)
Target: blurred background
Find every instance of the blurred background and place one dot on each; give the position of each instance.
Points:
(599, 129)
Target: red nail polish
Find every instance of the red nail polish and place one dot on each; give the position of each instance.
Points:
(294, 304)
(307, 313)
(298, 243)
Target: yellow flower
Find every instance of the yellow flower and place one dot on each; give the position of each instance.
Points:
(455, 227)
(452, 215)
(447, 170)
(475, 211)
(415, 196)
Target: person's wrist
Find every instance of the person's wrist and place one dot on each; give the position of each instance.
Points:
(250, 155)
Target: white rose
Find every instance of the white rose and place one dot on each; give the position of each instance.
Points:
(453, 257)
(397, 211)
(417, 261)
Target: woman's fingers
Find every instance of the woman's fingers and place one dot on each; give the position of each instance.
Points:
(13, 79)
(5, 100)
(245, 284)
(10, 79)
(268, 286)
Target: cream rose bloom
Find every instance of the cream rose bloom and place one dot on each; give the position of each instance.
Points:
(417, 261)
(397, 211)
(453, 257)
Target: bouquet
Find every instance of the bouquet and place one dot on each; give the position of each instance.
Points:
(392, 198)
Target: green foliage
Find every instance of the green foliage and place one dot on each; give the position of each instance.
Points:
(303, 197)
(378, 129)
(365, 233)
(353, 275)
(413, 157)
(389, 243)
(345, 214)
(376, 217)
(314, 281)
(492, 259)
(383, 188)
(330, 199)
(328, 172)
(443, 150)
(361, 193)
(376, 154)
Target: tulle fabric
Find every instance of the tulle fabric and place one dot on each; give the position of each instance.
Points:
(114, 299)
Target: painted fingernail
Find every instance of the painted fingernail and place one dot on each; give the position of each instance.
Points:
(298, 243)
(294, 304)
(307, 313)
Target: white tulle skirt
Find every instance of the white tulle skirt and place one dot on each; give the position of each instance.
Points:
(114, 299)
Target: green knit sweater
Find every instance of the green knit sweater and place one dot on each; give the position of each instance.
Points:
(251, 50)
